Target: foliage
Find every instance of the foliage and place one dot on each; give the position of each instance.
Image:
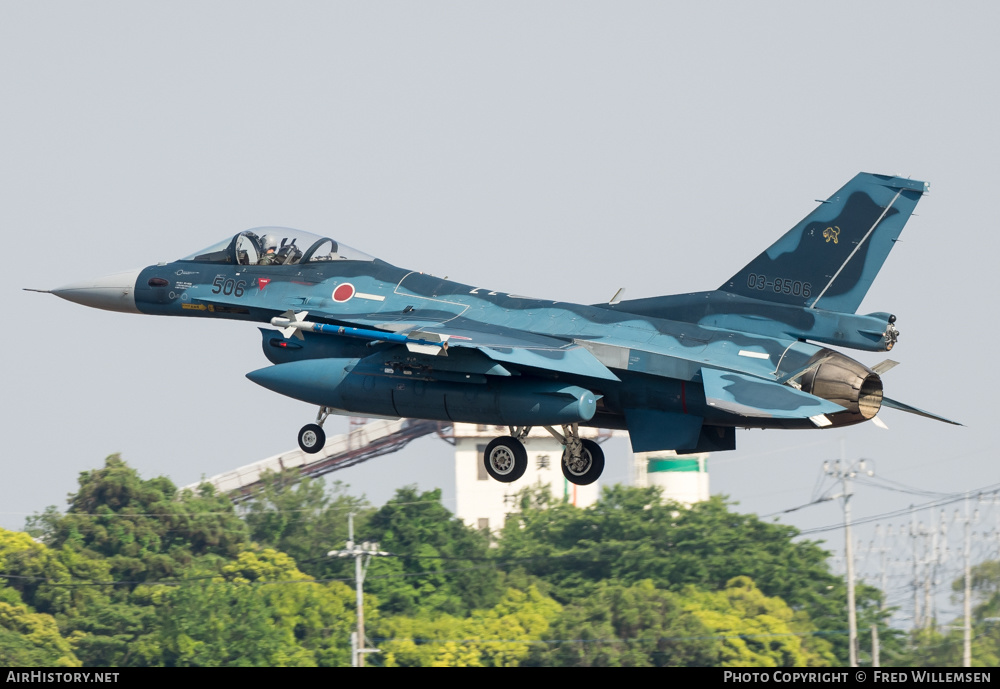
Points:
(438, 563)
(935, 648)
(119, 533)
(930, 647)
(29, 639)
(299, 517)
(985, 585)
(145, 530)
(502, 636)
(630, 535)
(136, 573)
(262, 611)
(755, 630)
(635, 626)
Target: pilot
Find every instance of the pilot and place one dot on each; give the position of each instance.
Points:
(270, 256)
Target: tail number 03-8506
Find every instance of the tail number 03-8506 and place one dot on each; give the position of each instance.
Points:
(228, 286)
(779, 285)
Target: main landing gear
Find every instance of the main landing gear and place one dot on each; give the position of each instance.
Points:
(312, 437)
(506, 459)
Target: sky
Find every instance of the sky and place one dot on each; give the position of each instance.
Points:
(556, 149)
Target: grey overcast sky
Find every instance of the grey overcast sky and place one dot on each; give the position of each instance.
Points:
(557, 149)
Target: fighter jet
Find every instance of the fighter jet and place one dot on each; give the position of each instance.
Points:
(353, 334)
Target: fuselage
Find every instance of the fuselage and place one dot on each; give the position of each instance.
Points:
(658, 361)
(354, 334)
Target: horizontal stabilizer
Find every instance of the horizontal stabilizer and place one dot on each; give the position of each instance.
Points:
(755, 397)
(886, 402)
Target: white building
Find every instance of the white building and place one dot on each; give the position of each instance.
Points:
(683, 478)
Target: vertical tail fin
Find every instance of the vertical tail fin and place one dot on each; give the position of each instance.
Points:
(831, 257)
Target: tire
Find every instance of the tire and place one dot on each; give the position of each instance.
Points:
(588, 468)
(311, 438)
(505, 459)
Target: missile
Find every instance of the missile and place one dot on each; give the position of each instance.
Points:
(292, 324)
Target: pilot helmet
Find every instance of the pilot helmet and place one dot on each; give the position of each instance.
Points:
(270, 242)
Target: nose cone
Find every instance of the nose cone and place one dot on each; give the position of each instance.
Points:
(111, 292)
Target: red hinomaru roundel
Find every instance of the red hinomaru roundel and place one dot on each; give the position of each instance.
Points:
(343, 292)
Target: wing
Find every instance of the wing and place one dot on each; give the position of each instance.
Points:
(507, 347)
(516, 349)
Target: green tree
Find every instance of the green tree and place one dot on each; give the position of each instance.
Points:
(144, 529)
(301, 517)
(630, 535)
(260, 611)
(933, 647)
(438, 563)
(502, 636)
(985, 584)
(220, 624)
(119, 533)
(78, 590)
(29, 639)
(755, 630)
(42, 576)
(627, 626)
(936, 647)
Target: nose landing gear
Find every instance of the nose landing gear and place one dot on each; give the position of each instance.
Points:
(312, 437)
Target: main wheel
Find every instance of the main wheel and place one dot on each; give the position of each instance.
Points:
(587, 468)
(312, 438)
(506, 459)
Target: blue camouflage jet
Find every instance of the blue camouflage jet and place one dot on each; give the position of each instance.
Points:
(353, 334)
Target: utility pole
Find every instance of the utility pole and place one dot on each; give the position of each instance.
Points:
(359, 551)
(875, 647)
(967, 603)
(914, 533)
(935, 564)
(882, 535)
(844, 473)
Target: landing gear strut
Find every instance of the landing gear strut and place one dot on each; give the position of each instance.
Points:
(506, 460)
(312, 438)
(582, 459)
(586, 468)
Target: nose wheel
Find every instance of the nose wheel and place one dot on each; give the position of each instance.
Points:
(312, 437)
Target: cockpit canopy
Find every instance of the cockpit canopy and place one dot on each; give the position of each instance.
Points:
(274, 246)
